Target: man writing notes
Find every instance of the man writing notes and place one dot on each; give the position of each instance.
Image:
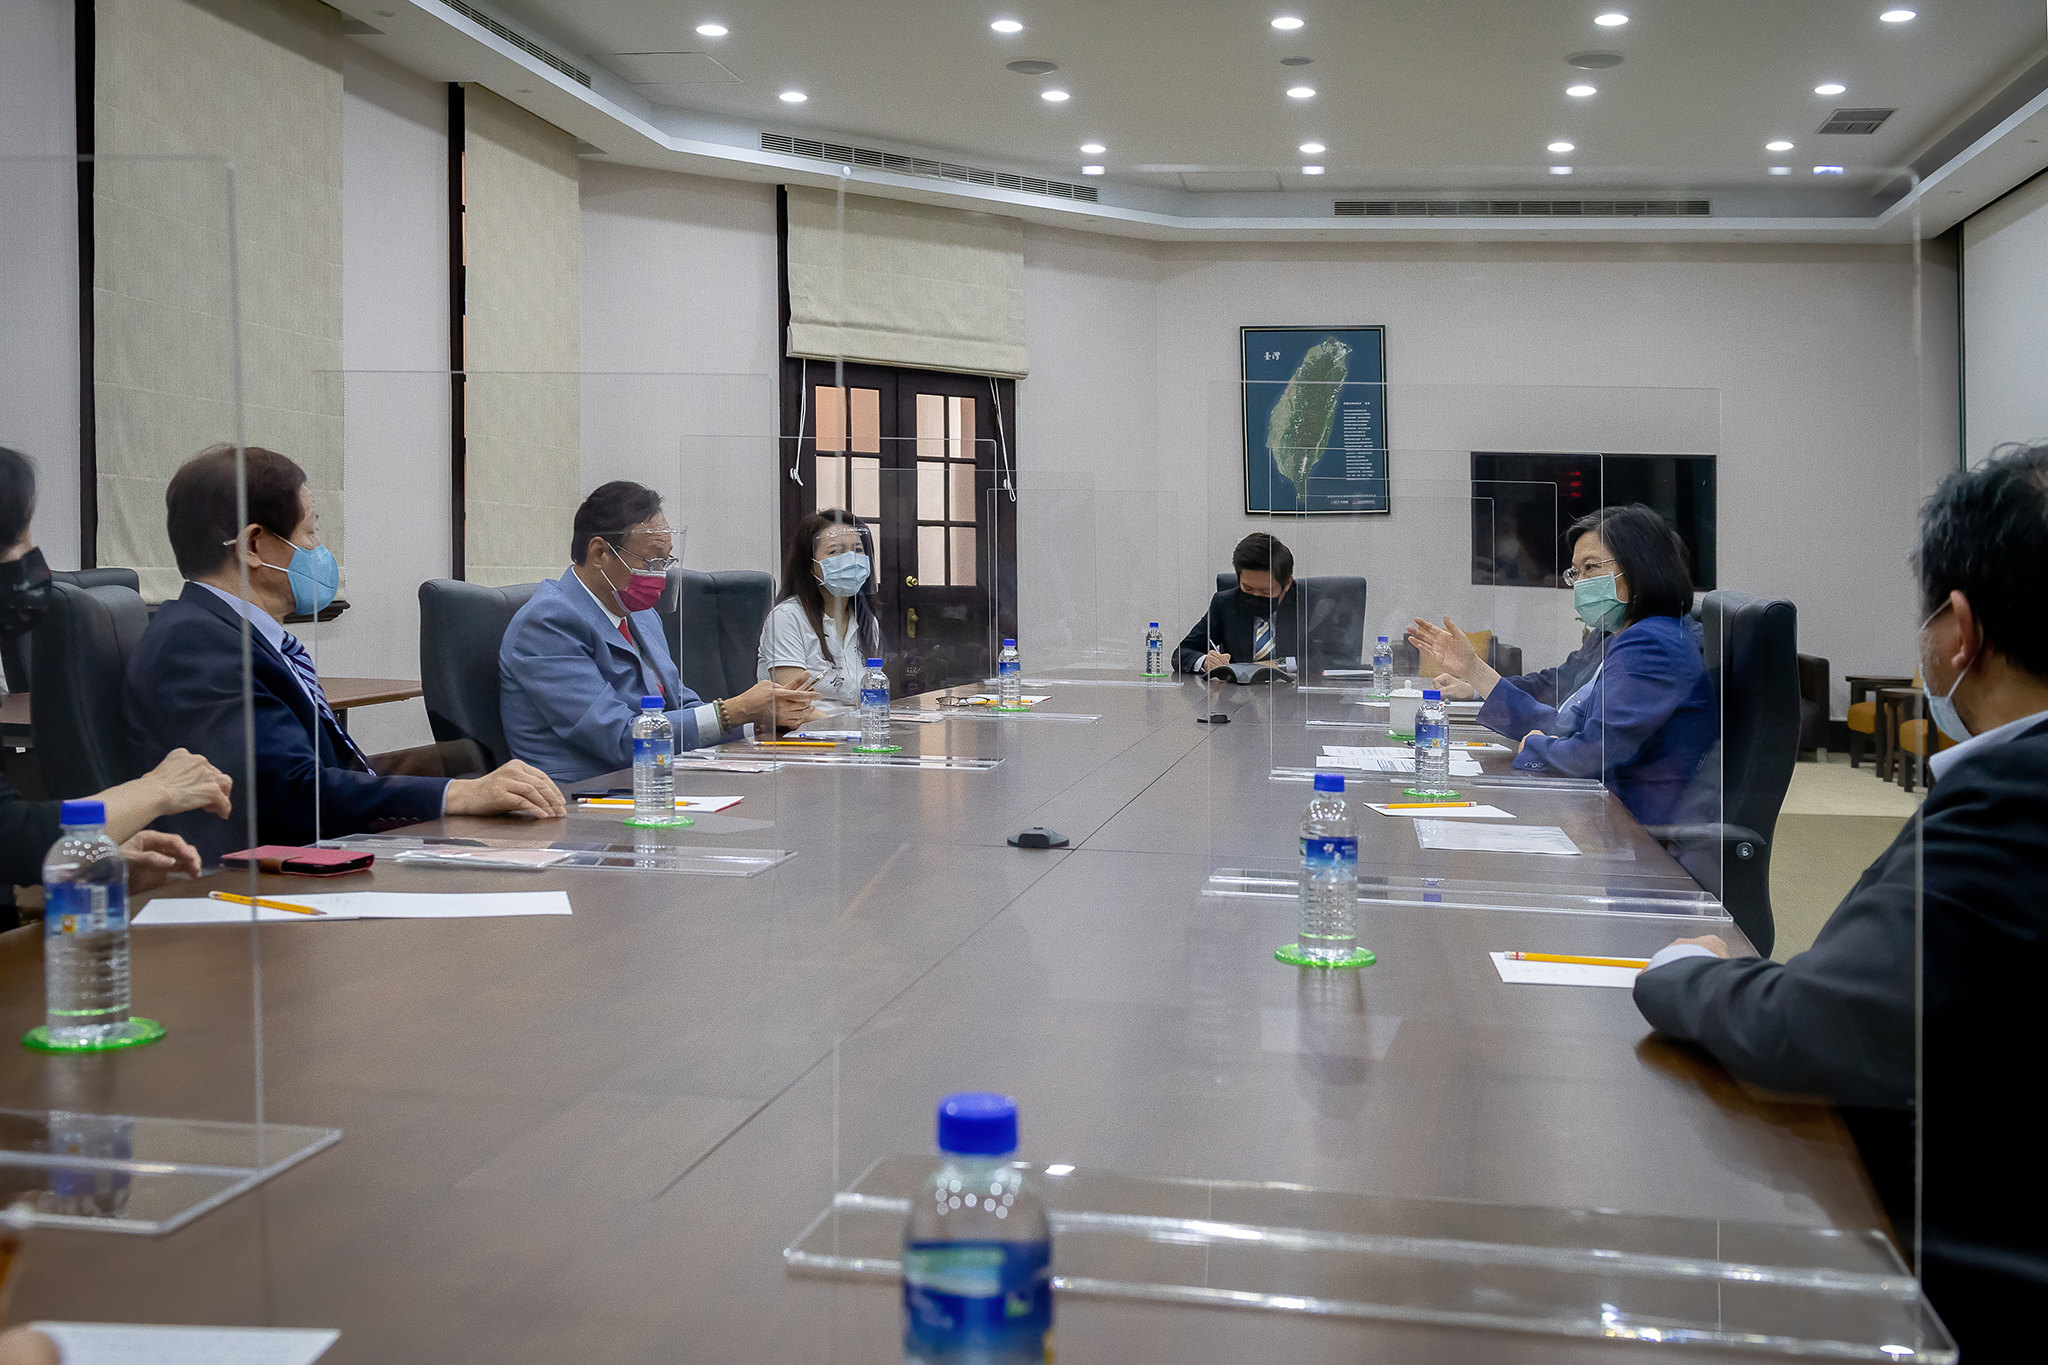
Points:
(589, 645)
(184, 685)
(1961, 896)
(1265, 619)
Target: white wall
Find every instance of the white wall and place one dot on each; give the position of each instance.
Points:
(39, 244)
(395, 389)
(2005, 321)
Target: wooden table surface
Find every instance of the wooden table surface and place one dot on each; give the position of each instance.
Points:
(342, 694)
(589, 1138)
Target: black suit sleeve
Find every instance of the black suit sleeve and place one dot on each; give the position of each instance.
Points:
(27, 829)
(1195, 644)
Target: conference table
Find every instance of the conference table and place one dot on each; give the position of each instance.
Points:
(591, 1137)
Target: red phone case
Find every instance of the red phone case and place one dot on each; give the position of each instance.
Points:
(300, 862)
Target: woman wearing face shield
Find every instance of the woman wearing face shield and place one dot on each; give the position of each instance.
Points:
(1646, 718)
(182, 782)
(823, 626)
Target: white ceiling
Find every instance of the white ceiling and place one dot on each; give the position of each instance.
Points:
(1416, 95)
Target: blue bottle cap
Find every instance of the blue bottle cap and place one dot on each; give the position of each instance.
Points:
(82, 813)
(650, 703)
(1431, 694)
(978, 1123)
(1009, 644)
(1153, 626)
(1329, 782)
(874, 663)
(1383, 639)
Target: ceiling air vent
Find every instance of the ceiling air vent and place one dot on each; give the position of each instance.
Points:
(917, 165)
(1523, 208)
(1856, 120)
(518, 40)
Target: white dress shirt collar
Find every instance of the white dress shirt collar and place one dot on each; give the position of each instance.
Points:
(262, 622)
(610, 615)
(1940, 763)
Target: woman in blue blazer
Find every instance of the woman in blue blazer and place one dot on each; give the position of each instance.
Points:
(1647, 719)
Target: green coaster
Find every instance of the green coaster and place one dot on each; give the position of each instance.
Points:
(674, 822)
(1291, 954)
(138, 1031)
(878, 748)
(1155, 675)
(1009, 708)
(1405, 736)
(1431, 796)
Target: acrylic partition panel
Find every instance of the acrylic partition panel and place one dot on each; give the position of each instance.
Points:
(136, 1095)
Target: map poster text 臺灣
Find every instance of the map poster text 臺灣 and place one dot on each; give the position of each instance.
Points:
(1315, 420)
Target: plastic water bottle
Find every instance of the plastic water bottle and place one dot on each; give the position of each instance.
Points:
(1155, 652)
(874, 707)
(1382, 668)
(1432, 746)
(977, 1249)
(654, 774)
(1009, 677)
(85, 932)
(1329, 875)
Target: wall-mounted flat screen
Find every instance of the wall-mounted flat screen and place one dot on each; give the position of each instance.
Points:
(1522, 505)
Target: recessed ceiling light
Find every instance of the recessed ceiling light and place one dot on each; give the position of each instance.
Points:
(793, 97)
(1580, 91)
(1896, 16)
(1830, 88)
(1091, 170)
(1312, 148)
(1007, 26)
(1056, 96)
(1562, 147)
(1781, 170)
(1311, 170)
(1827, 170)
(1301, 92)
(1093, 148)
(1779, 146)
(1612, 19)
(712, 30)
(1287, 23)
(1560, 170)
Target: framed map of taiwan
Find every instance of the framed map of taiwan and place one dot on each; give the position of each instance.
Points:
(1315, 420)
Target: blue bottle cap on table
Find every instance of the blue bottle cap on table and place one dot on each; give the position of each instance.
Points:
(1153, 626)
(874, 663)
(1329, 782)
(82, 813)
(1432, 694)
(650, 703)
(1383, 639)
(1009, 644)
(978, 1123)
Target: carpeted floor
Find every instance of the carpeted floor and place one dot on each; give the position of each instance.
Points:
(1835, 821)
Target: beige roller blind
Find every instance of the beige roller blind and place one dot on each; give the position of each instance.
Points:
(524, 347)
(254, 83)
(905, 284)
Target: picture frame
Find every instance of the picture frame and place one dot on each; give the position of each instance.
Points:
(1314, 411)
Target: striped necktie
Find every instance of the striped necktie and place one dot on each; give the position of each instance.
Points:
(302, 664)
(1262, 639)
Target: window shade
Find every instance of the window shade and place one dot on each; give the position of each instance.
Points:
(905, 284)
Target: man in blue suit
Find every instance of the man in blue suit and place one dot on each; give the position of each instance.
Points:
(588, 646)
(184, 685)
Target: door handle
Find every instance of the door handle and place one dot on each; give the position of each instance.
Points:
(912, 624)
(910, 580)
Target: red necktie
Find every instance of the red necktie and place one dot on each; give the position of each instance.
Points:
(627, 631)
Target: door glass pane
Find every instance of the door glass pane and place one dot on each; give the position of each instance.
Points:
(867, 487)
(931, 490)
(831, 481)
(867, 420)
(931, 556)
(931, 427)
(960, 428)
(875, 564)
(830, 404)
(963, 492)
(963, 556)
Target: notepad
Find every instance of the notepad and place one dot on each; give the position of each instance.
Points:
(1436, 812)
(115, 1343)
(833, 735)
(337, 905)
(1561, 973)
(1456, 837)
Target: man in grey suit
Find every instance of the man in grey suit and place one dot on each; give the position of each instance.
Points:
(1961, 899)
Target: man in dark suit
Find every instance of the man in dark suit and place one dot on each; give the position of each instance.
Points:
(1958, 899)
(1265, 617)
(184, 685)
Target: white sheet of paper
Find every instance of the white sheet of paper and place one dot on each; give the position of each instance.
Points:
(1463, 838)
(114, 1343)
(335, 905)
(1478, 746)
(915, 717)
(1448, 813)
(687, 803)
(1028, 698)
(1561, 973)
(825, 734)
(726, 765)
(502, 859)
(1389, 759)
(1347, 673)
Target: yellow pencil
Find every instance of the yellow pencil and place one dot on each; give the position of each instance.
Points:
(1637, 962)
(266, 904)
(1426, 805)
(797, 743)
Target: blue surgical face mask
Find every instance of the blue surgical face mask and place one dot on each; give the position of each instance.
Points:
(1942, 709)
(1594, 600)
(844, 575)
(315, 578)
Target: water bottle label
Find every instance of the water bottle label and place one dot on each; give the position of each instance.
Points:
(1431, 734)
(84, 908)
(655, 751)
(1328, 853)
(1009, 666)
(986, 1296)
(874, 696)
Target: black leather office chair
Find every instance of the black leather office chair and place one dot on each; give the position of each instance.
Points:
(713, 622)
(1752, 649)
(82, 647)
(461, 627)
(16, 654)
(1346, 594)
